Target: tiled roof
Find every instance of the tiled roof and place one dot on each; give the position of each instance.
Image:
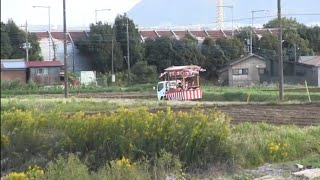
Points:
(148, 34)
(181, 34)
(165, 33)
(44, 63)
(201, 34)
(13, 64)
(216, 33)
(313, 61)
(75, 35)
(153, 34)
(229, 32)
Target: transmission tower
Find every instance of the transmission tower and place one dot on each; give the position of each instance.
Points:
(220, 14)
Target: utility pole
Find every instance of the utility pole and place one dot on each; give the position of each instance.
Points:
(295, 58)
(128, 52)
(27, 43)
(65, 51)
(113, 77)
(281, 81)
(251, 32)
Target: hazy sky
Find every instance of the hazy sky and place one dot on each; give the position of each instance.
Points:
(82, 12)
(79, 12)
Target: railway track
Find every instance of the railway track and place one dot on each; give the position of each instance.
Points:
(295, 114)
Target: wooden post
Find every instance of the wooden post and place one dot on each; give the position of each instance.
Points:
(198, 80)
(248, 97)
(307, 90)
(183, 83)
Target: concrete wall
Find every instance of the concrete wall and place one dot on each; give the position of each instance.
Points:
(51, 78)
(253, 64)
(224, 78)
(10, 75)
(81, 62)
(303, 73)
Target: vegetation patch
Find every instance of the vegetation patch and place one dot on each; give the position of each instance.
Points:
(138, 143)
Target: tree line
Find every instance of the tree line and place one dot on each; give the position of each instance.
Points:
(13, 41)
(151, 57)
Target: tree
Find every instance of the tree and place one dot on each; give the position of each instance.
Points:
(164, 52)
(268, 46)
(136, 48)
(232, 48)
(312, 34)
(6, 48)
(12, 40)
(214, 58)
(99, 47)
(286, 23)
(294, 35)
(160, 52)
(143, 73)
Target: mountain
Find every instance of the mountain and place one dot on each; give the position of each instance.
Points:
(151, 13)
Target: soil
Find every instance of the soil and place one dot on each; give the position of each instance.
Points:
(297, 114)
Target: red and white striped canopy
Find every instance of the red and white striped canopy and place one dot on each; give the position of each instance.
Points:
(184, 71)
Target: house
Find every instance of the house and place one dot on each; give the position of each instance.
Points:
(244, 71)
(13, 69)
(313, 61)
(44, 72)
(253, 69)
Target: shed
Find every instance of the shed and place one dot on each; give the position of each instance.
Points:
(314, 61)
(243, 71)
(44, 72)
(13, 69)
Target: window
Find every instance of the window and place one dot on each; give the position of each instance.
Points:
(42, 71)
(240, 71)
(160, 86)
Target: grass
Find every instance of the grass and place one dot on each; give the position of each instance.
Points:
(252, 143)
(28, 90)
(210, 93)
(257, 94)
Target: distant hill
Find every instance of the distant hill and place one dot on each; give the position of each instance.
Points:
(150, 13)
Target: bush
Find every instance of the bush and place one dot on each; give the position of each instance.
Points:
(16, 176)
(196, 137)
(65, 169)
(143, 73)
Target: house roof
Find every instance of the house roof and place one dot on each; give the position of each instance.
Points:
(244, 58)
(310, 60)
(44, 64)
(74, 35)
(236, 61)
(153, 34)
(13, 64)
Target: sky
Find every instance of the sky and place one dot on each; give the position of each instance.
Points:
(81, 13)
(202, 13)
(78, 12)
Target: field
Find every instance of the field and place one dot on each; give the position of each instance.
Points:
(149, 139)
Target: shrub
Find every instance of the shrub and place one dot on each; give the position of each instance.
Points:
(65, 169)
(16, 176)
(196, 137)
